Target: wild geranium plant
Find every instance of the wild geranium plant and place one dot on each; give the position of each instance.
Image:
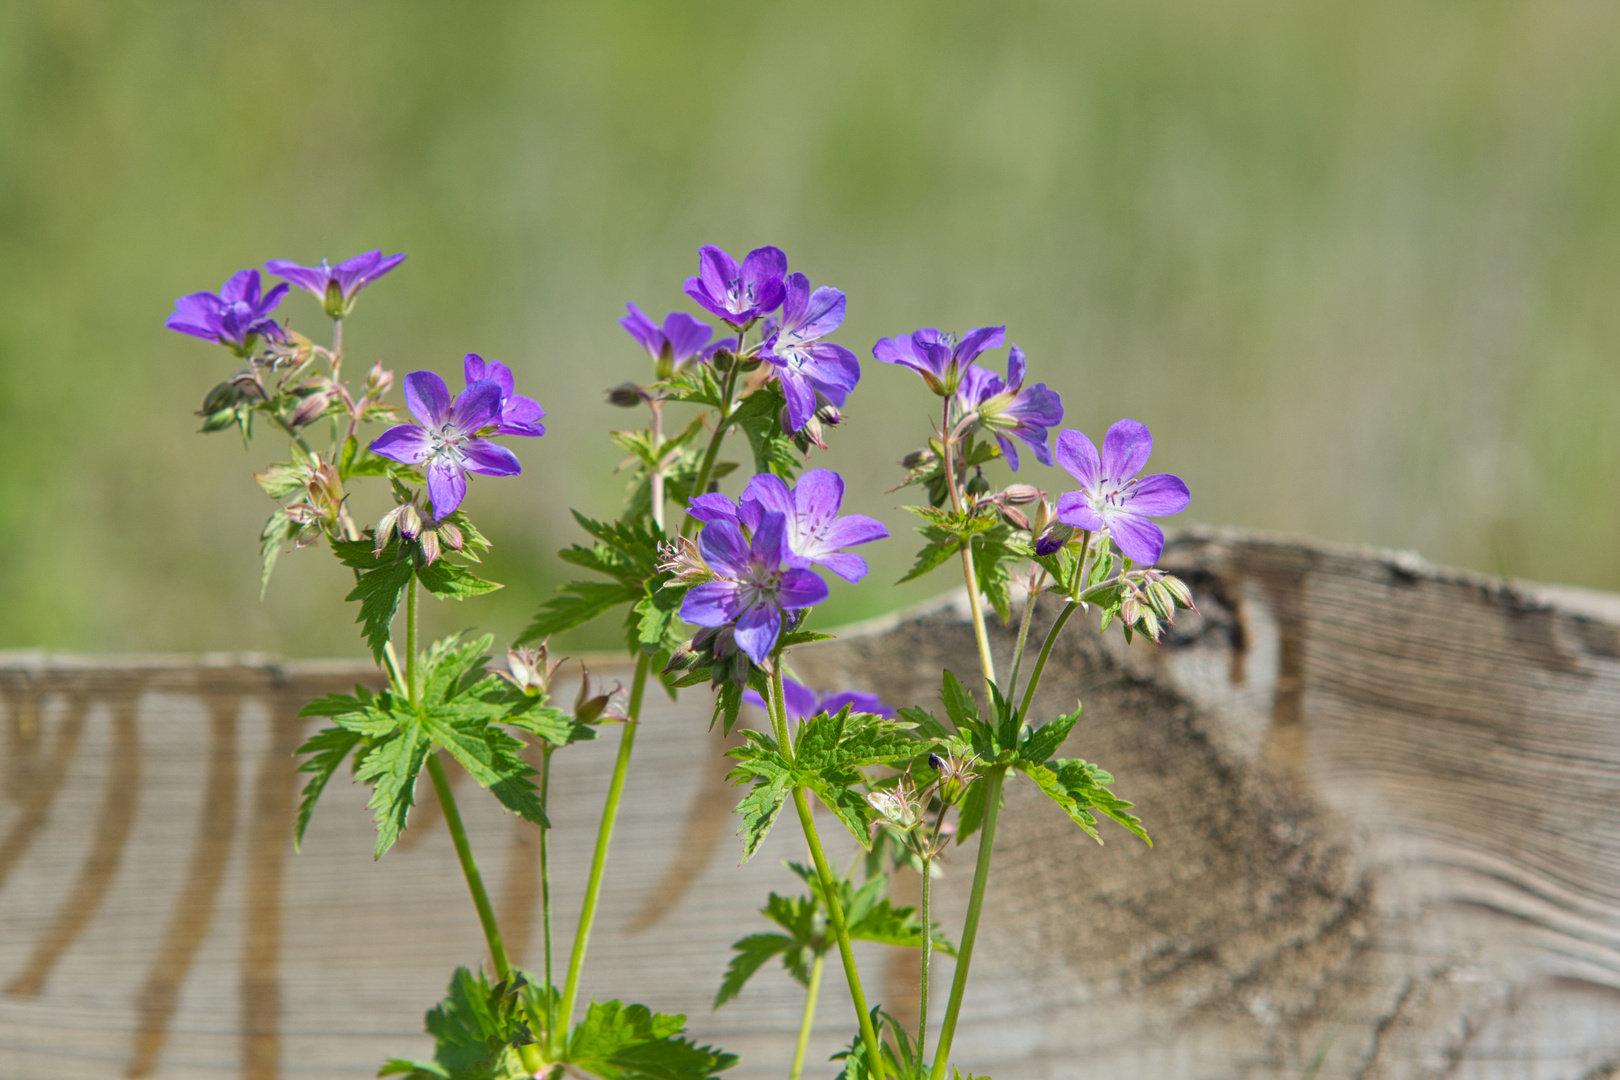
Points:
(714, 593)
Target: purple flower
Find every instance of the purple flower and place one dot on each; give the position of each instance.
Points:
(739, 295)
(803, 363)
(335, 286)
(814, 532)
(519, 415)
(445, 437)
(938, 358)
(236, 317)
(801, 702)
(1110, 499)
(1008, 409)
(680, 341)
(752, 587)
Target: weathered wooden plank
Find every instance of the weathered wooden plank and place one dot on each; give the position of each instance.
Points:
(1386, 799)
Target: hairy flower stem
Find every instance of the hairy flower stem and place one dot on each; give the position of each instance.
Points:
(927, 956)
(545, 865)
(829, 883)
(808, 1020)
(987, 663)
(1040, 661)
(657, 480)
(970, 926)
(469, 868)
(410, 641)
(721, 424)
(1023, 632)
(604, 837)
(835, 917)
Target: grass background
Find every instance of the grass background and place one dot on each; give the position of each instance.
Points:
(1355, 263)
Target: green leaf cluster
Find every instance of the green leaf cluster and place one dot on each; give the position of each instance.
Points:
(828, 753)
(626, 552)
(630, 1042)
(381, 578)
(868, 915)
(996, 549)
(459, 708)
(477, 1030)
(1078, 786)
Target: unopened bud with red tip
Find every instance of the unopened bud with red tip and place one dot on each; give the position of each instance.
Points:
(310, 409)
(1021, 494)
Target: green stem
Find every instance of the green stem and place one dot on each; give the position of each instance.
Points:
(1040, 661)
(604, 837)
(835, 917)
(410, 641)
(469, 868)
(809, 1018)
(1023, 632)
(927, 955)
(987, 663)
(970, 927)
(545, 865)
(719, 436)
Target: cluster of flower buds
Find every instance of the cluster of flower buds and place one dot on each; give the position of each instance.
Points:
(412, 521)
(320, 509)
(1009, 502)
(1151, 600)
(714, 649)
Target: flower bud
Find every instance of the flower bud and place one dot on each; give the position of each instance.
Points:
(1021, 494)
(918, 459)
(664, 365)
(332, 302)
(310, 409)
(627, 395)
(379, 380)
(1052, 539)
(220, 397)
(1015, 517)
(723, 359)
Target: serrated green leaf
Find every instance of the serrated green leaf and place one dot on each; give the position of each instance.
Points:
(578, 604)
(382, 583)
(934, 555)
(490, 757)
(752, 953)
(1047, 739)
(276, 532)
(448, 581)
(727, 707)
(327, 749)
(631, 1042)
(476, 1030)
(283, 479)
(804, 637)
(391, 768)
(553, 725)
(928, 725)
(658, 619)
(761, 806)
(959, 704)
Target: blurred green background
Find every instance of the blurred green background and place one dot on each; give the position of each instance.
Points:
(1355, 263)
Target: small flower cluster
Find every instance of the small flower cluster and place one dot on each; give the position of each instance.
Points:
(815, 375)
(753, 556)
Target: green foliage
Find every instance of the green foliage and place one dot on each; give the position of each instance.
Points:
(459, 708)
(759, 416)
(995, 550)
(477, 1030)
(382, 580)
(276, 532)
(828, 753)
(630, 1042)
(627, 552)
(868, 915)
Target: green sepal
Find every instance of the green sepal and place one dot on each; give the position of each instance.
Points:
(631, 1042)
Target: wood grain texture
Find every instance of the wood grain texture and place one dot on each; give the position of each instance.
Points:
(1386, 800)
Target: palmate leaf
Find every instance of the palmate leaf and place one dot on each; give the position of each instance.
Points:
(383, 579)
(448, 581)
(631, 1042)
(328, 749)
(391, 768)
(579, 603)
(752, 952)
(829, 751)
(1079, 787)
(476, 1030)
